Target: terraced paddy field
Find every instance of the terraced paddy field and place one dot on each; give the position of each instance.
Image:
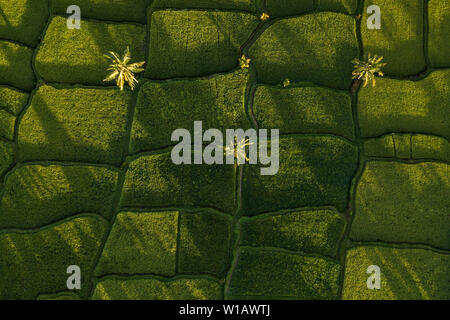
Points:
(86, 176)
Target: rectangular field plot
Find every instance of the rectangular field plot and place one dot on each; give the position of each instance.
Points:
(244, 5)
(325, 58)
(312, 231)
(35, 195)
(76, 55)
(12, 100)
(15, 65)
(39, 259)
(23, 20)
(406, 106)
(141, 242)
(410, 146)
(195, 43)
(164, 106)
(405, 203)
(439, 32)
(154, 181)
(271, 274)
(400, 40)
(114, 10)
(406, 274)
(304, 110)
(142, 288)
(75, 124)
(313, 172)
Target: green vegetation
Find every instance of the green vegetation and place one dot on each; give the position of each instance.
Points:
(408, 146)
(367, 70)
(195, 43)
(7, 123)
(162, 107)
(304, 110)
(66, 295)
(141, 242)
(122, 71)
(114, 10)
(204, 239)
(15, 65)
(154, 289)
(272, 274)
(439, 32)
(154, 181)
(406, 274)
(75, 124)
(325, 164)
(12, 100)
(70, 56)
(23, 20)
(345, 6)
(406, 106)
(325, 57)
(36, 195)
(281, 8)
(6, 156)
(397, 202)
(400, 39)
(246, 5)
(312, 231)
(34, 263)
(426, 146)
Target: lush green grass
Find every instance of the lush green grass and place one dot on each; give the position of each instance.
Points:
(406, 106)
(281, 8)
(408, 146)
(76, 56)
(12, 100)
(425, 146)
(154, 181)
(23, 20)
(162, 107)
(275, 274)
(380, 147)
(439, 32)
(6, 155)
(406, 274)
(36, 195)
(312, 231)
(154, 289)
(247, 5)
(34, 263)
(204, 239)
(7, 122)
(15, 65)
(345, 6)
(325, 57)
(75, 124)
(314, 172)
(304, 110)
(397, 202)
(400, 39)
(67, 295)
(195, 43)
(141, 242)
(114, 10)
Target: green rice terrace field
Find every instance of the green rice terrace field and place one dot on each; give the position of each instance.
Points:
(86, 176)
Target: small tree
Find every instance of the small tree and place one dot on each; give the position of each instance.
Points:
(244, 62)
(367, 70)
(122, 71)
